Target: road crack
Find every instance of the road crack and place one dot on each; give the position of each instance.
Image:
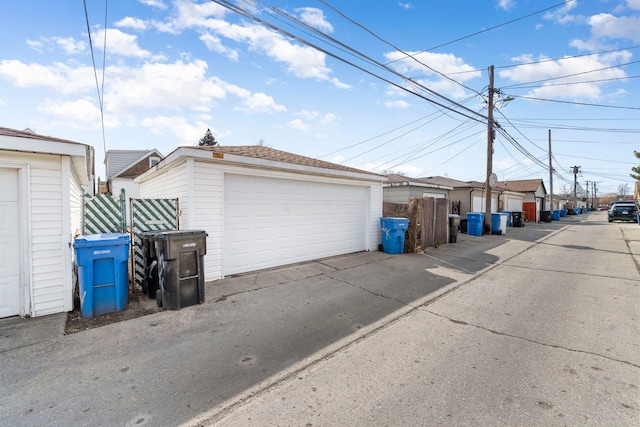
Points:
(531, 341)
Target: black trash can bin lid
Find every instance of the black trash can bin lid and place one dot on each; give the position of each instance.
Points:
(169, 234)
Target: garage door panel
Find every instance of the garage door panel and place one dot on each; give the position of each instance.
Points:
(271, 222)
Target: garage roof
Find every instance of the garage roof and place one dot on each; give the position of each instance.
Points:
(31, 142)
(261, 156)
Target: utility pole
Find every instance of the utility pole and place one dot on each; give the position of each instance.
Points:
(576, 169)
(587, 185)
(490, 134)
(550, 176)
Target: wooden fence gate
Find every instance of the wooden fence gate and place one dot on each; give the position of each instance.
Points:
(428, 222)
(149, 215)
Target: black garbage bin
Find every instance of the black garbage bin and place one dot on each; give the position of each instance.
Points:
(454, 223)
(545, 216)
(517, 219)
(180, 268)
(150, 282)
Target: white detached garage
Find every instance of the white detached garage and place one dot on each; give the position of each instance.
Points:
(264, 208)
(41, 181)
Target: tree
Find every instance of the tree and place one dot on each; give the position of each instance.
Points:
(636, 170)
(208, 139)
(623, 189)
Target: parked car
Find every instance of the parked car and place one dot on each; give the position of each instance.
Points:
(621, 211)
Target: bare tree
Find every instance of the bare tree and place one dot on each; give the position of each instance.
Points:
(623, 189)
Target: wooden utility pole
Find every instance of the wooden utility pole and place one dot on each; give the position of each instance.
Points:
(550, 176)
(576, 169)
(490, 134)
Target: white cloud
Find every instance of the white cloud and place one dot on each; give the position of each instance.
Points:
(302, 61)
(298, 124)
(315, 18)
(572, 86)
(260, 103)
(309, 115)
(328, 119)
(633, 4)
(214, 44)
(36, 45)
(445, 63)
(396, 104)
(133, 23)
(82, 110)
(405, 6)
(58, 76)
(153, 85)
(605, 25)
(121, 43)
(154, 3)
(562, 15)
(505, 4)
(70, 46)
(185, 132)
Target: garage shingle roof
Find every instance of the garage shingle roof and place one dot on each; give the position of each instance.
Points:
(32, 135)
(267, 153)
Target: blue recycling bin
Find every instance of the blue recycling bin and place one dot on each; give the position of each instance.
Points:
(499, 222)
(508, 217)
(563, 212)
(556, 215)
(102, 272)
(392, 234)
(475, 221)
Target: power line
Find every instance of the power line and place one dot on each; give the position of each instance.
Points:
(488, 29)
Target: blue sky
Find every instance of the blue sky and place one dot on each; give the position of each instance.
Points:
(399, 86)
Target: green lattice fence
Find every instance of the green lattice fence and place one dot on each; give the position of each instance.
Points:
(103, 213)
(149, 215)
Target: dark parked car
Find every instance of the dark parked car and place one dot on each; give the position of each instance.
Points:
(623, 212)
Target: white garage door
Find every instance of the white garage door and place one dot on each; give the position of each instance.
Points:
(270, 222)
(9, 244)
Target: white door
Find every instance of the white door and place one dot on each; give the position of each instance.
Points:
(9, 244)
(270, 222)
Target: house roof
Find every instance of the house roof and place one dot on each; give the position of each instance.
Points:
(118, 161)
(28, 133)
(522, 185)
(30, 142)
(267, 153)
(395, 179)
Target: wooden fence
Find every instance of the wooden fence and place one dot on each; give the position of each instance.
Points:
(428, 222)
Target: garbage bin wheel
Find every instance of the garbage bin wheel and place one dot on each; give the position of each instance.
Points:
(159, 298)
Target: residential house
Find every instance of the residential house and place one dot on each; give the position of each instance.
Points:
(400, 189)
(534, 196)
(122, 167)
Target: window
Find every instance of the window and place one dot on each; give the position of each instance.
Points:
(153, 161)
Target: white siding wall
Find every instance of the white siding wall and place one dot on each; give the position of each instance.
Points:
(375, 199)
(131, 191)
(207, 216)
(199, 186)
(170, 184)
(75, 202)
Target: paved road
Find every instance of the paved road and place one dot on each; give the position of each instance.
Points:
(494, 329)
(549, 336)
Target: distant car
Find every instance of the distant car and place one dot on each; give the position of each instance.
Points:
(623, 211)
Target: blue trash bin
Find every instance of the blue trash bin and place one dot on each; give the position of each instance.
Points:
(498, 223)
(508, 217)
(563, 212)
(102, 272)
(392, 234)
(556, 215)
(475, 223)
